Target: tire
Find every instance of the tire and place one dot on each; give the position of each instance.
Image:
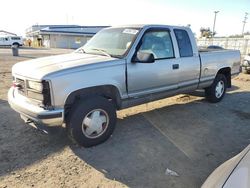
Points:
(91, 121)
(217, 90)
(16, 44)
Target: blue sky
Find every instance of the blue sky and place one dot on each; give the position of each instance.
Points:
(118, 12)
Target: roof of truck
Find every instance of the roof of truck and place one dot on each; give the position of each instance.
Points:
(148, 25)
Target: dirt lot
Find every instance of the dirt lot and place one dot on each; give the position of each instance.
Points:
(183, 133)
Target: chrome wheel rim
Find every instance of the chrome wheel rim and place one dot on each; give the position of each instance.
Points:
(219, 89)
(95, 123)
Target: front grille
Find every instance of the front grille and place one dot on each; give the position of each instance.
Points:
(21, 85)
(45, 99)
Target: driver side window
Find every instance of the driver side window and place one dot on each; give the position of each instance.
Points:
(158, 43)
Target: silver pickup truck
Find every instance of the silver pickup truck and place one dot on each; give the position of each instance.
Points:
(118, 68)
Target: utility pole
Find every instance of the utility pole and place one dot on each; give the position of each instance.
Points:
(244, 23)
(215, 13)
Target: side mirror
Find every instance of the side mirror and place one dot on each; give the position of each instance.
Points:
(144, 57)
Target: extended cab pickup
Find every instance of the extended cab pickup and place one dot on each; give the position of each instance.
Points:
(118, 68)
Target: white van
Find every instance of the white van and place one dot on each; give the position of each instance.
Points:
(11, 40)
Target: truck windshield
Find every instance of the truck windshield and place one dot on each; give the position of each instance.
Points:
(113, 42)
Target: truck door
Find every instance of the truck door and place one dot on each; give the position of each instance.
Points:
(146, 78)
(7, 41)
(189, 63)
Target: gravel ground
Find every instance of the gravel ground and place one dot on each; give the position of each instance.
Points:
(182, 133)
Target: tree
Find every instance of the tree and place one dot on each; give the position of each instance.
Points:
(206, 32)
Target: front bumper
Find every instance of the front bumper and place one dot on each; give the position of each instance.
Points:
(32, 113)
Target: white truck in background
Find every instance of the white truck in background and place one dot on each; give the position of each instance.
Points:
(245, 65)
(6, 40)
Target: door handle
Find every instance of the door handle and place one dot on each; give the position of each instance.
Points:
(175, 66)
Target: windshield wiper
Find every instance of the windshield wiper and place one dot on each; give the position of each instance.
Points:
(104, 52)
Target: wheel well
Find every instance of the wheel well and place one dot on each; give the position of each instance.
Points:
(16, 43)
(107, 91)
(227, 73)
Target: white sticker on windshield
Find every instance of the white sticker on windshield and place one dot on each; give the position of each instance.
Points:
(130, 31)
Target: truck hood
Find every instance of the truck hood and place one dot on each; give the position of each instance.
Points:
(40, 67)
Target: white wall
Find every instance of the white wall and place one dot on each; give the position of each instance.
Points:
(241, 44)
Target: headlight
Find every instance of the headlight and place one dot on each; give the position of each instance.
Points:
(39, 91)
(35, 85)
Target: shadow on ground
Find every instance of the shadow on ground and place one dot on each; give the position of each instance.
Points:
(192, 139)
(22, 145)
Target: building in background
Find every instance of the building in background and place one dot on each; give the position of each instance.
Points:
(61, 36)
(6, 33)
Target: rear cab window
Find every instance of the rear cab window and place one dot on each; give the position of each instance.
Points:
(184, 43)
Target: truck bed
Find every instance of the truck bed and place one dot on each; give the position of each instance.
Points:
(213, 60)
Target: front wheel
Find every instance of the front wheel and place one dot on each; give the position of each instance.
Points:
(91, 121)
(216, 91)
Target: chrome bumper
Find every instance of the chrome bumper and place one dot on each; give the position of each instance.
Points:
(32, 113)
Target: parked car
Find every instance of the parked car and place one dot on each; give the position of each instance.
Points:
(118, 68)
(11, 40)
(245, 65)
(233, 173)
